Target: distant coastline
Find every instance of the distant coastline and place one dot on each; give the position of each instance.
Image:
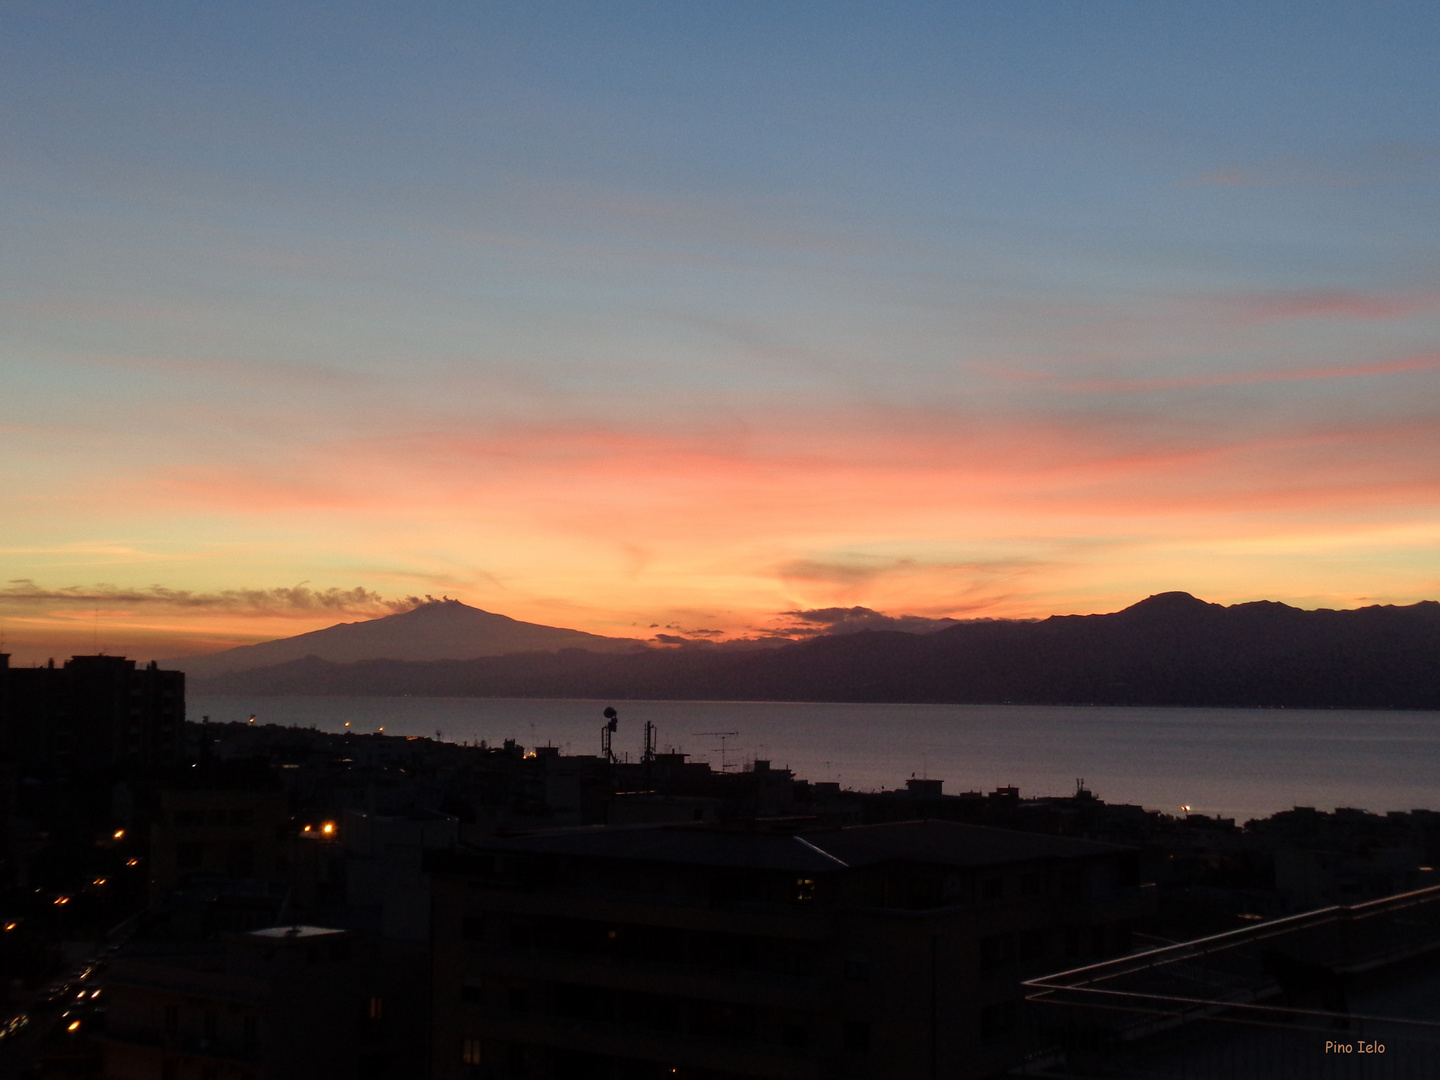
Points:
(1168, 650)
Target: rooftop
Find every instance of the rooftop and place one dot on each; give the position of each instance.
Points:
(292, 933)
(942, 843)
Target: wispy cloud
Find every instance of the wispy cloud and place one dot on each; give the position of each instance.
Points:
(1227, 378)
(852, 620)
(1380, 163)
(1329, 304)
(291, 599)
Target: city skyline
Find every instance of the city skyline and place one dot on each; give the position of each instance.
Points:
(628, 317)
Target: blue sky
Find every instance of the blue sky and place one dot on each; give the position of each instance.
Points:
(610, 315)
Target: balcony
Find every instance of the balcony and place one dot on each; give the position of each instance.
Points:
(1336, 993)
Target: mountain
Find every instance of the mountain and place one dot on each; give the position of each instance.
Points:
(1170, 649)
(436, 630)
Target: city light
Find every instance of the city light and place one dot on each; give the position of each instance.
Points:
(328, 828)
(119, 834)
(98, 881)
(132, 862)
(62, 899)
(73, 1026)
(11, 925)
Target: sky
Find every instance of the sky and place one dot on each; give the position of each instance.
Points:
(676, 317)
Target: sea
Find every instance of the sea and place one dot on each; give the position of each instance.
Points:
(1240, 763)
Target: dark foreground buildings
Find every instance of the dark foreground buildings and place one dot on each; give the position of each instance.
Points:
(94, 713)
(873, 951)
(282, 902)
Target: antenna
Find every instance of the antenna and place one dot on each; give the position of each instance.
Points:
(612, 721)
(649, 754)
(722, 736)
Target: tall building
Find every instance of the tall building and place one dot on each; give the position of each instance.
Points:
(889, 950)
(94, 713)
(286, 1003)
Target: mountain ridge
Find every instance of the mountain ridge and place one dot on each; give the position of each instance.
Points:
(435, 630)
(1170, 649)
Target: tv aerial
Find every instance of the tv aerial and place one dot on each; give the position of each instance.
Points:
(722, 736)
(612, 721)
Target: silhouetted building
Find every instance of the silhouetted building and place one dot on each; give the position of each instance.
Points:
(219, 832)
(95, 712)
(888, 950)
(287, 1002)
(1342, 992)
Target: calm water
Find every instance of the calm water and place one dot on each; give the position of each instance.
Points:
(1236, 762)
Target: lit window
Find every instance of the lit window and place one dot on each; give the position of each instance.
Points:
(375, 1010)
(470, 1052)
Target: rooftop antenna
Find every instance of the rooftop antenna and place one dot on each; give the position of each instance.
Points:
(722, 736)
(649, 755)
(612, 721)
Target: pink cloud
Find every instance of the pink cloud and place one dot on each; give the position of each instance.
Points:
(1245, 378)
(1331, 304)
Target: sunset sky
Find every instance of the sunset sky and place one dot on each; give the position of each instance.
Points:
(675, 317)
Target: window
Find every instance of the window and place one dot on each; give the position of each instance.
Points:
(997, 952)
(375, 1009)
(210, 1025)
(796, 1035)
(240, 859)
(855, 1036)
(251, 1034)
(804, 890)
(172, 1019)
(992, 888)
(857, 967)
(472, 928)
(998, 1020)
(472, 990)
(470, 1052)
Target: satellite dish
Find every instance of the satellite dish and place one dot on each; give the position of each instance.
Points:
(610, 713)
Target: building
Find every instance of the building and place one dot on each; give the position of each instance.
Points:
(94, 713)
(1343, 992)
(274, 1004)
(221, 831)
(696, 952)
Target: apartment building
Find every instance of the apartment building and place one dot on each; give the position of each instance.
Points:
(283, 1003)
(706, 953)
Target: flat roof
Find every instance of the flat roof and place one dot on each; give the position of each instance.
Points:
(941, 843)
(291, 933)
